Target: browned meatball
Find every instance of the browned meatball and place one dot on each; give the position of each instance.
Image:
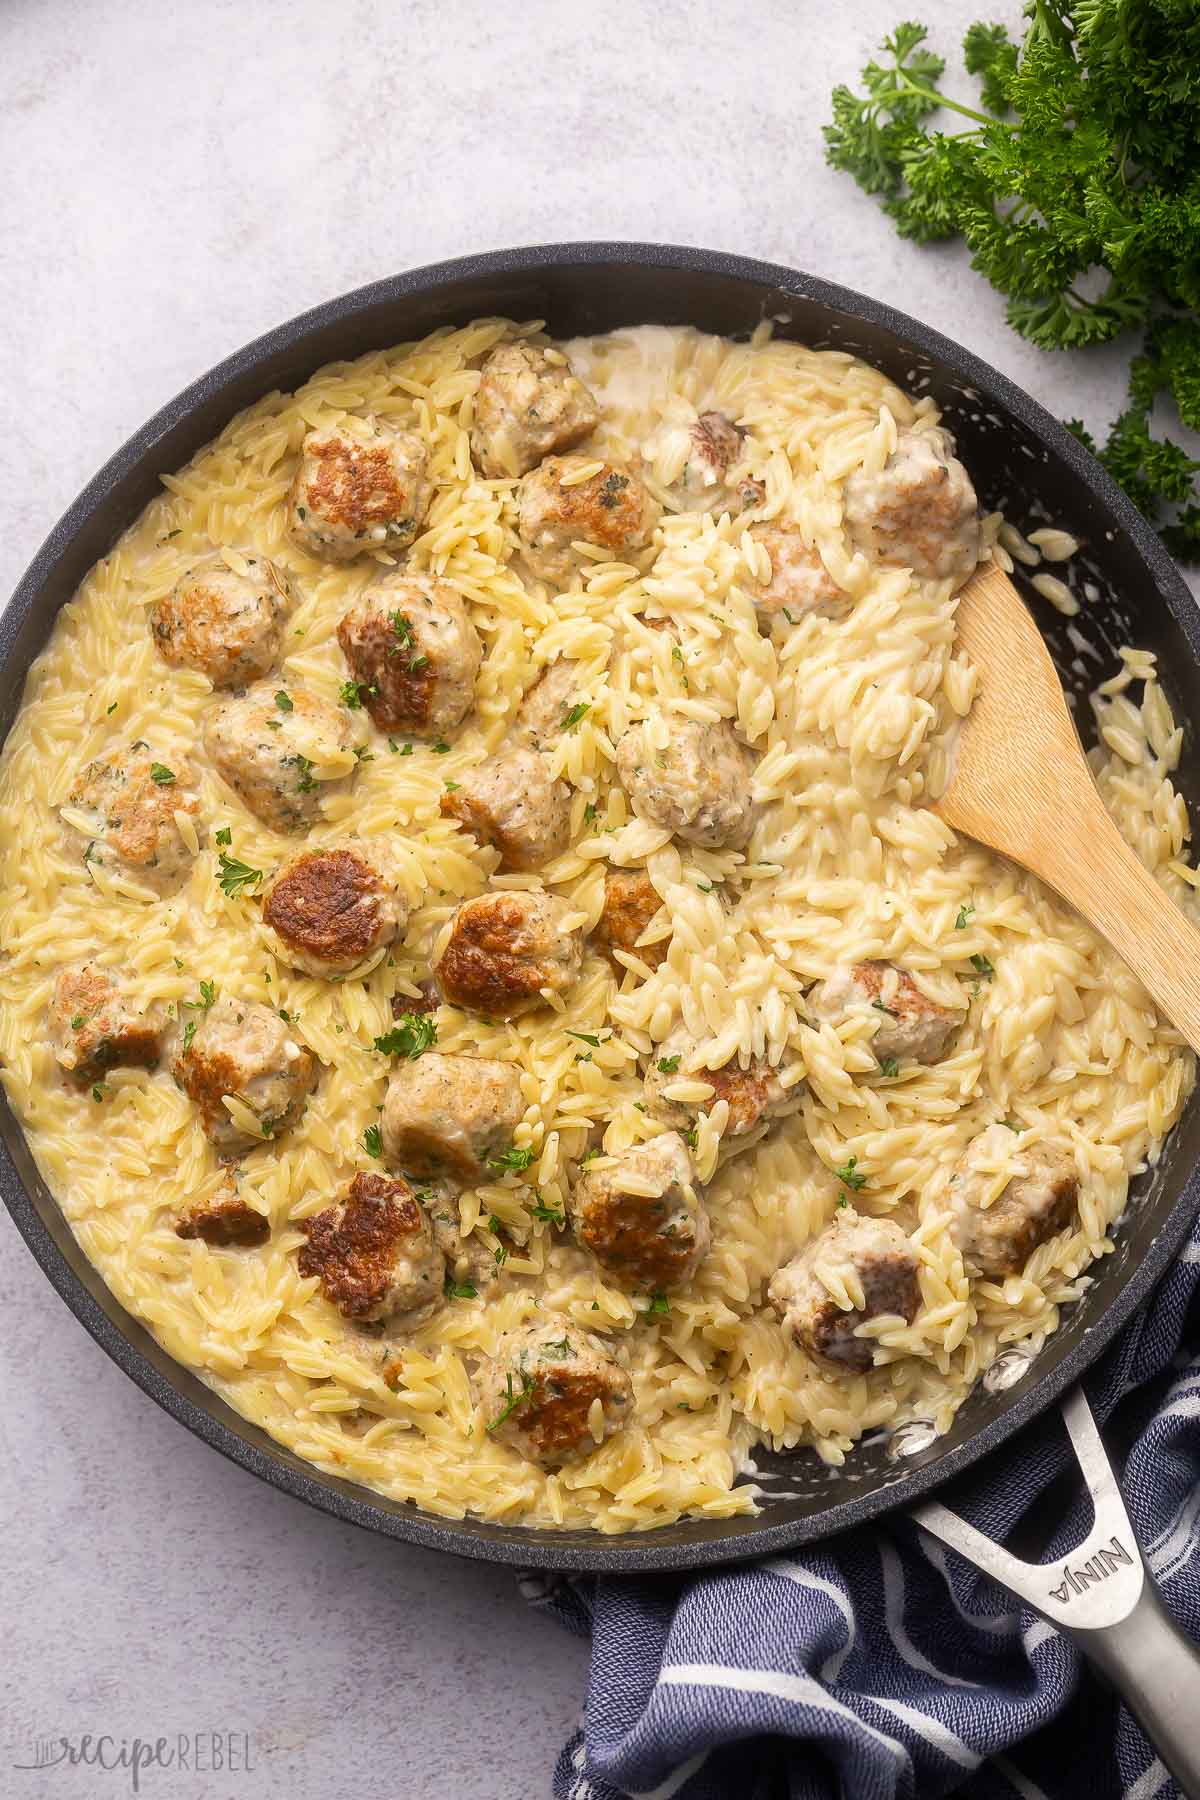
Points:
(543, 713)
(504, 949)
(226, 623)
(754, 1094)
(225, 1220)
(513, 803)
(126, 806)
(695, 780)
(272, 754)
(94, 1028)
(631, 901)
(556, 509)
(909, 1027)
(363, 485)
(529, 403)
(554, 1393)
(713, 446)
(642, 1218)
(872, 1252)
(239, 1050)
(414, 654)
(375, 1254)
(799, 584)
(447, 1115)
(1006, 1200)
(333, 911)
(919, 512)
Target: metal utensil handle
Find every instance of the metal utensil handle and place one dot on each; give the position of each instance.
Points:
(1104, 1597)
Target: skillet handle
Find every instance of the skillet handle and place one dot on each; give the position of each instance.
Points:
(1104, 1597)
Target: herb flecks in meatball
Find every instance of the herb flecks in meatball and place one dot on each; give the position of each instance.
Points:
(631, 903)
(513, 803)
(505, 948)
(334, 912)
(278, 759)
(127, 806)
(94, 1028)
(919, 512)
(528, 405)
(1007, 1200)
(414, 655)
(907, 1025)
(642, 1216)
(375, 1255)
(871, 1255)
(560, 504)
(450, 1115)
(554, 1393)
(242, 1051)
(550, 706)
(360, 486)
(754, 1095)
(694, 780)
(225, 622)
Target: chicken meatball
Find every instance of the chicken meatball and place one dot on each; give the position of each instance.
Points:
(242, 1052)
(693, 779)
(272, 755)
(94, 1028)
(504, 949)
(360, 486)
(414, 654)
(631, 902)
(1007, 1200)
(128, 807)
(643, 1218)
(529, 404)
(799, 583)
(448, 1115)
(710, 445)
(224, 623)
(754, 1094)
(909, 1027)
(334, 912)
(226, 1220)
(919, 512)
(553, 1392)
(375, 1255)
(513, 803)
(557, 509)
(859, 1254)
(543, 713)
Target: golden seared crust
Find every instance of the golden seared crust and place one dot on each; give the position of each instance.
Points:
(631, 900)
(911, 1023)
(503, 949)
(353, 1247)
(95, 1029)
(226, 625)
(358, 491)
(652, 1241)
(1038, 1201)
(538, 1394)
(800, 583)
(136, 813)
(555, 1416)
(881, 1257)
(414, 653)
(261, 751)
(226, 1221)
(242, 1049)
(513, 803)
(327, 905)
(611, 509)
(397, 683)
(525, 407)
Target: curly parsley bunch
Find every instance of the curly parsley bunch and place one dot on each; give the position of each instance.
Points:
(1077, 192)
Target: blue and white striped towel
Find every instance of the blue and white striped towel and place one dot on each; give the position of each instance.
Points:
(880, 1666)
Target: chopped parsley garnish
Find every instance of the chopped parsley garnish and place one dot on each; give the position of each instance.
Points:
(501, 1255)
(98, 1092)
(982, 966)
(579, 711)
(415, 663)
(161, 775)
(880, 1007)
(850, 1176)
(589, 812)
(372, 1139)
(304, 765)
(208, 993)
(393, 746)
(585, 1037)
(843, 1201)
(889, 1066)
(109, 711)
(667, 1065)
(588, 1156)
(515, 1158)
(441, 748)
(403, 631)
(406, 750)
(661, 1305)
(363, 754)
(677, 656)
(411, 1037)
(76, 1022)
(787, 615)
(452, 787)
(558, 1347)
(460, 1290)
(706, 887)
(235, 877)
(189, 1032)
(515, 1397)
(283, 701)
(351, 693)
(549, 1214)
(964, 913)
(225, 835)
(691, 1137)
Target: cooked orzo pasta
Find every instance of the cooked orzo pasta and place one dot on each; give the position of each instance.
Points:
(576, 1053)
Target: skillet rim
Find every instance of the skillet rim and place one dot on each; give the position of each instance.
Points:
(177, 1390)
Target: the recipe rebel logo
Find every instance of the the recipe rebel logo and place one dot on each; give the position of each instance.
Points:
(225, 1753)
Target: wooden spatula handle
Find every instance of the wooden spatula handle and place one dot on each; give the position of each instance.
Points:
(1093, 867)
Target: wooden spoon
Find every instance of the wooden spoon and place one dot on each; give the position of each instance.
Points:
(1020, 784)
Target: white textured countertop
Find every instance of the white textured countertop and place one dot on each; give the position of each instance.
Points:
(179, 177)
